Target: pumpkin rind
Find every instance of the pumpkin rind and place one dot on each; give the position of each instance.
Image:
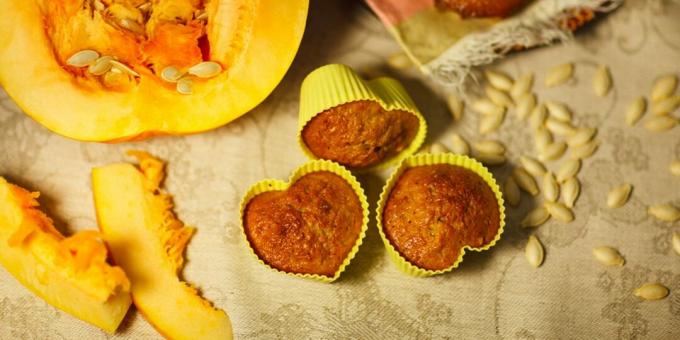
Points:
(50, 94)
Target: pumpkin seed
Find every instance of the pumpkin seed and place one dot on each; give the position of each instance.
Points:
(525, 105)
(82, 58)
(511, 191)
(535, 217)
(438, 148)
(497, 96)
(664, 212)
(553, 151)
(584, 151)
(201, 15)
(608, 256)
(560, 128)
(490, 123)
(676, 242)
(568, 169)
(666, 106)
(602, 82)
(664, 87)
(551, 190)
(559, 211)
(490, 159)
(618, 196)
(570, 191)
(538, 116)
(532, 166)
(525, 181)
(542, 139)
(399, 61)
(99, 6)
(131, 25)
(486, 107)
(456, 106)
(100, 66)
(636, 109)
(675, 168)
(185, 86)
(522, 85)
(489, 147)
(534, 252)
(583, 135)
(145, 7)
(559, 74)
(558, 110)
(459, 145)
(660, 123)
(117, 65)
(171, 74)
(499, 80)
(651, 291)
(205, 69)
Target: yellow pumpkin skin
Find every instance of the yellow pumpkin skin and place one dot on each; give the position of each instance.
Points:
(148, 242)
(70, 273)
(53, 96)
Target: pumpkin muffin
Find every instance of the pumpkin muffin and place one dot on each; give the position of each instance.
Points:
(480, 8)
(359, 134)
(309, 228)
(433, 211)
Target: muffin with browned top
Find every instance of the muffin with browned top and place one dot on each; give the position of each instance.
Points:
(359, 134)
(433, 211)
(310, 228)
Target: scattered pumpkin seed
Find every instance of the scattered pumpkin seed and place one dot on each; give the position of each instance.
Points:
(438, 148)
(497, 96)
(570, 191)
(122, 67)
(511, 191)
(676, 242)
(660, 123)
(584, 151)
(100, 66)
(491, 159)
(619, 195)
(144, 7)
(534, 218)
(532, 166)
(551, 190)
(542, 139)
(559, 211)
(185, 86)
(205, 69)
(98, 5)
(171, 74)
(553, 151)
(560, 128)
(666, 105)
(651, 291)
(602, 82)
(522, 85)
(525, 181)
(608, 256)
(534, 252)
(559, 74)
(583, 135)
(456, 106)
(664, 212)
(489, 147)
(131, 25)
(399, 61)
(538, 116)
(525, 105)
(490, 123)
(636, 109)
(568, 169)
(82, 58)
(499, 80)
(558, 110)
(675, 168)
(486, 107)
(664, 87)
(459, 145)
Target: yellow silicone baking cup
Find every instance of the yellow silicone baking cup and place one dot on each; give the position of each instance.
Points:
(335, 84)
(278, 185)
(429, 159)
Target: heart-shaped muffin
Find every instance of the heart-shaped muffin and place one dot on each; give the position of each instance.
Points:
(311, 226)
(356, 123)
(434, 207)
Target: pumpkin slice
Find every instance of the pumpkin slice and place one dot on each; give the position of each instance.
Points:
(232, 54)
(70, 273)
(148, 241)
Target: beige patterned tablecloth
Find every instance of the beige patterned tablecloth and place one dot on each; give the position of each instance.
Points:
(494, 294)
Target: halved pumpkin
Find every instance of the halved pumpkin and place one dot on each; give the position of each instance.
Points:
(248, 46)
(148, 241)
(70, 273)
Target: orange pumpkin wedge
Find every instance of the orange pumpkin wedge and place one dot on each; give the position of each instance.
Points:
(108, 70)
